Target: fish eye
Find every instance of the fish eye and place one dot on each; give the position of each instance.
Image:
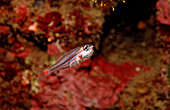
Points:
(86, 47)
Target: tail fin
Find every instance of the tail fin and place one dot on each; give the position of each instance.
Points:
(47, 71)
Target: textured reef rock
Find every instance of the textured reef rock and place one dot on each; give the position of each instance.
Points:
(82, 88)
(30, 31)
(164, 11)
(163, 7)
(49, 25)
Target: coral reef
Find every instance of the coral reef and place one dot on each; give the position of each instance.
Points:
(129, 69)
(164, 11)
(78, 89)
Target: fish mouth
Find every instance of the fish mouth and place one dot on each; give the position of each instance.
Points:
(91, 47)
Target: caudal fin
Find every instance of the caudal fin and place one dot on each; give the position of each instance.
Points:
(47, 71)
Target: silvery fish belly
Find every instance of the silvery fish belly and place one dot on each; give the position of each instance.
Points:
(71, 58)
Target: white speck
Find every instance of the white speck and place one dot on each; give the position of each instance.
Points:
(58, 45)
(137, 69)
(51, 23)
(49, 39)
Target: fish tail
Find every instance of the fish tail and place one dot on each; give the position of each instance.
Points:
(47, 71)
(50, 70)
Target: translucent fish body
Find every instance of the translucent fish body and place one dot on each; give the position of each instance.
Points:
(71, 58)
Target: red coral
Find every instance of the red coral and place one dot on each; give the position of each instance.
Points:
(53, 49)
(74, 89)
(82, 22)
(61, 30)
(85, 4)
(4, 29)
(101, 63)
(123, 72)
(23, 54)
(164, 29)
(21, 51)
(10, 56)
(78, 18)
(86, 63)
(164, 18)
(50, 20)
(22, 10)
(21, 13)
(164, 15)
(95, 90)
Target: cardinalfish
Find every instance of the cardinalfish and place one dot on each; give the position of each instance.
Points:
(71, 58)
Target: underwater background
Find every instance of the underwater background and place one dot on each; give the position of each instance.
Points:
(129, 70)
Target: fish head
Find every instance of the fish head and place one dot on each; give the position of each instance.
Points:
(87, 51)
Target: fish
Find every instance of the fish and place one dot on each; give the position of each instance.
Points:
(71, 58)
